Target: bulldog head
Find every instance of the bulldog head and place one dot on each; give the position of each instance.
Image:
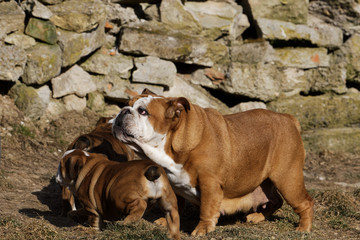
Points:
(148, 119)
(70, 166)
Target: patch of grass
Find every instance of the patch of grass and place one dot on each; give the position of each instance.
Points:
(23, 130)
(3, 182)
(338, 207)
(11, 228)
(139, 230)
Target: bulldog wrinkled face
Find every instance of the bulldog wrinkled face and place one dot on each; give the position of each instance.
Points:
(69, 167)
(134, 123)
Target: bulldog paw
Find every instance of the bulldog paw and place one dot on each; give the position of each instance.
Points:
(161, 222)
(303, 228)
(255, 218)
(203, 228)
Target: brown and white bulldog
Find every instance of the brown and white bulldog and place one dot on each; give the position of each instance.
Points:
(216, 161)
(99, 140)
(107, 189)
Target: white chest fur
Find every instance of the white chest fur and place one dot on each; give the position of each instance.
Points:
(178, 177)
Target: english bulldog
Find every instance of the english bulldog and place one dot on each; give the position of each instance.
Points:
(108, 189)
(214, 160)
(99, 140)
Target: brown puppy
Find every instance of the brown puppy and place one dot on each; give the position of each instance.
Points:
(109, 189)
(99, 140)
(214, 160)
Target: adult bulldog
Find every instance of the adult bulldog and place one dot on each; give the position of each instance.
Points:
(214, 160)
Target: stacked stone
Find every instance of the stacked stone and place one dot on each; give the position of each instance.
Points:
(69, 55)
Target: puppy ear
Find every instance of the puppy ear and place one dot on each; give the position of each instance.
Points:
(83, 142)
(176, 107)
(147, 91)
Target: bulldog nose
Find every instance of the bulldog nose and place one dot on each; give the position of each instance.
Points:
(120, 117)
(125, 111)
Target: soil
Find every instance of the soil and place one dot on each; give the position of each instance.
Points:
(30, 153)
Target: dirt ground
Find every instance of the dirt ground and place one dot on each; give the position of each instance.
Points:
(30, 197)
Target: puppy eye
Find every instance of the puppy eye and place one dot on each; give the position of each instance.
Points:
(143, 111)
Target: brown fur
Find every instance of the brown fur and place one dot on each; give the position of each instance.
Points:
(108, 189)
(99, 140)
(228, 157)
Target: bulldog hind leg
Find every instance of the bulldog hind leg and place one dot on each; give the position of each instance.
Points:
(290, 184)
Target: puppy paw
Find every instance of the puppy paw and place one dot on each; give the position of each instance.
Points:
(161, 221)
(203, 228)
(131, 219)
(255, 218)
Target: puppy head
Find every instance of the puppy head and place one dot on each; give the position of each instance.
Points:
(70, 166)
(148, 118)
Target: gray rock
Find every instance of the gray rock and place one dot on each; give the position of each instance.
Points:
(43, 30)
(238, 26)
(331, 79)
(77, 45)
(21, 40)
(75, 80)
(352, 50)
(44, 63)
(174, 14)
(54, 109)
(328, 35)
(195, 95)
(153, 70)
(219, 17)
(295, 11)
(253, 52)
(11, 18)
(119, 15)
(44, 94)
(103, 63)
(324, 36)
(12, 62)
(29, 100)
(74, 103)
(333, 140)
(302, 57)
(258, 81)
(78, 16)
(36, 9)
(118, 89)
(246, 106)
(293, 82)
(324, 111)
(96, 101)
(157, 40)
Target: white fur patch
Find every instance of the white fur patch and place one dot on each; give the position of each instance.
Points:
(59, 178)
(152, 144)
(68, 152)
(155, 188)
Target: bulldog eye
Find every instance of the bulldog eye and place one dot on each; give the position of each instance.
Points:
(143, 111)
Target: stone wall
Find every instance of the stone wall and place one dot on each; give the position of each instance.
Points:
(296, 56)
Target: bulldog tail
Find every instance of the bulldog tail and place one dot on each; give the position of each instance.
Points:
(152, 173)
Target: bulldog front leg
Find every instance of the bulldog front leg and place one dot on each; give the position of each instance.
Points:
(135, 210)
(211, 198)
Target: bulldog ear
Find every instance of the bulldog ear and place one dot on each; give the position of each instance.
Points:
(176, 107)
(147, 91)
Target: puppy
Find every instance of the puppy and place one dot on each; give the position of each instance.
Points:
(216, 160)
(99, 140)
(107, 189)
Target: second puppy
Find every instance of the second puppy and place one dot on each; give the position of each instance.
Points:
(107, 189)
